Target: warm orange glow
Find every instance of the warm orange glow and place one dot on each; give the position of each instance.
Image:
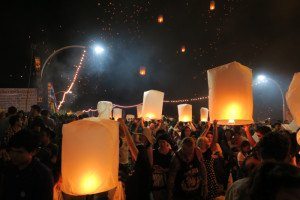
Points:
(160, 19)
(152, 104)
(183, 49)
(89, 184)
(212, 5)
(142, 71)
(184, 112)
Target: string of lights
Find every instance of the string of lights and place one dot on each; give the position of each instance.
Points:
(74, 80)
(166, 101)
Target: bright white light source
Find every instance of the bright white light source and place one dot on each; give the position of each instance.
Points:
(262, 78)
(98, 50)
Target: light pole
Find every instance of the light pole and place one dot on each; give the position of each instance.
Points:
(263, 79)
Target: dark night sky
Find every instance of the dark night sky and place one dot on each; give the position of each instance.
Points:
(261, 34)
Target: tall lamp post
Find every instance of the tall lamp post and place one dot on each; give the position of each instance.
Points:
(264, 79)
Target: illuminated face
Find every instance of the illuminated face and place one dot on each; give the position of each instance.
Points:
(152, 126)
(210, 138)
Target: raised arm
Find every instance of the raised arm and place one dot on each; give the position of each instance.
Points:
(249, 136)
(203, 134)
(193, 128)
(132, 148)
(215, 132)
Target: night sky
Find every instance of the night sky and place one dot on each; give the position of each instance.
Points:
(261, 34)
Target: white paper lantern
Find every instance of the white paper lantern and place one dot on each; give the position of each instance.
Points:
(130, 117)
(90, 156)
(184, 112)
(230, 94)
(152, 105)
(203, 114)
(139, 110)
(117, 113)
(104, 109)
(293, 98)
(298, 137)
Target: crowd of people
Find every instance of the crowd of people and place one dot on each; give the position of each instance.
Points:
(158, 160)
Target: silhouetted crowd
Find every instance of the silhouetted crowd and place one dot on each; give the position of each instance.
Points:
(158, 160)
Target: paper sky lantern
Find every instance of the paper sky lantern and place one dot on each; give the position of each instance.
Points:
(230, 94)
(298, 137)
(90, 156)
(184, 112)
(293, 98)
(104, 109)
(117, 113)
(130, 117)
(160, 19)
(203, 114)
(143, 71)
(152, 104)
(212, 5)
(139, 110)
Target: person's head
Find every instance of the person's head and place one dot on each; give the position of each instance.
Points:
(274, 147)
(277, 126)
(45, 113)
(210, 137)
(188, 148)
(22, 148)
(11, 110)
(245, 147)
(15, 120)
(35, 110)
(262, 130)
(37, 125)
(186, 132)
(45, 136)
(274, 181)
(21, 113)
(163, 141)
(152, 126)
(203, 144)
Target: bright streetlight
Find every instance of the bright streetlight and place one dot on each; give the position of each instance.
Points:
(98, 49)
(264, 79)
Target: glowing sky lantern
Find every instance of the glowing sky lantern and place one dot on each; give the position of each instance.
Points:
(90, 156)
(160, 19)
(130, 117)
(203, 114)
(230, 94)
(212, 5)
(117, 113)
(293, 98)
(142, 71)
(104, 109)
(152, 105)
(184, 112)
(183, 49)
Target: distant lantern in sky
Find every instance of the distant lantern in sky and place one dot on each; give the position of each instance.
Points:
(183, 49)
(212, 5)
(143, 71)
(160, 19)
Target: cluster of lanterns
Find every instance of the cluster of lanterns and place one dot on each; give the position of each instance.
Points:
(95, 141)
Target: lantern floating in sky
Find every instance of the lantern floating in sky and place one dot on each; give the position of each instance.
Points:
(183, 49)
(160, 19)
(293, 98)
(117, 113)
(230, 94)
(104, 109)
(203, 114)
(95, 144)
(142, 71)
(139, 110)
(184, 112)
(212, 5)
(152, 105)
